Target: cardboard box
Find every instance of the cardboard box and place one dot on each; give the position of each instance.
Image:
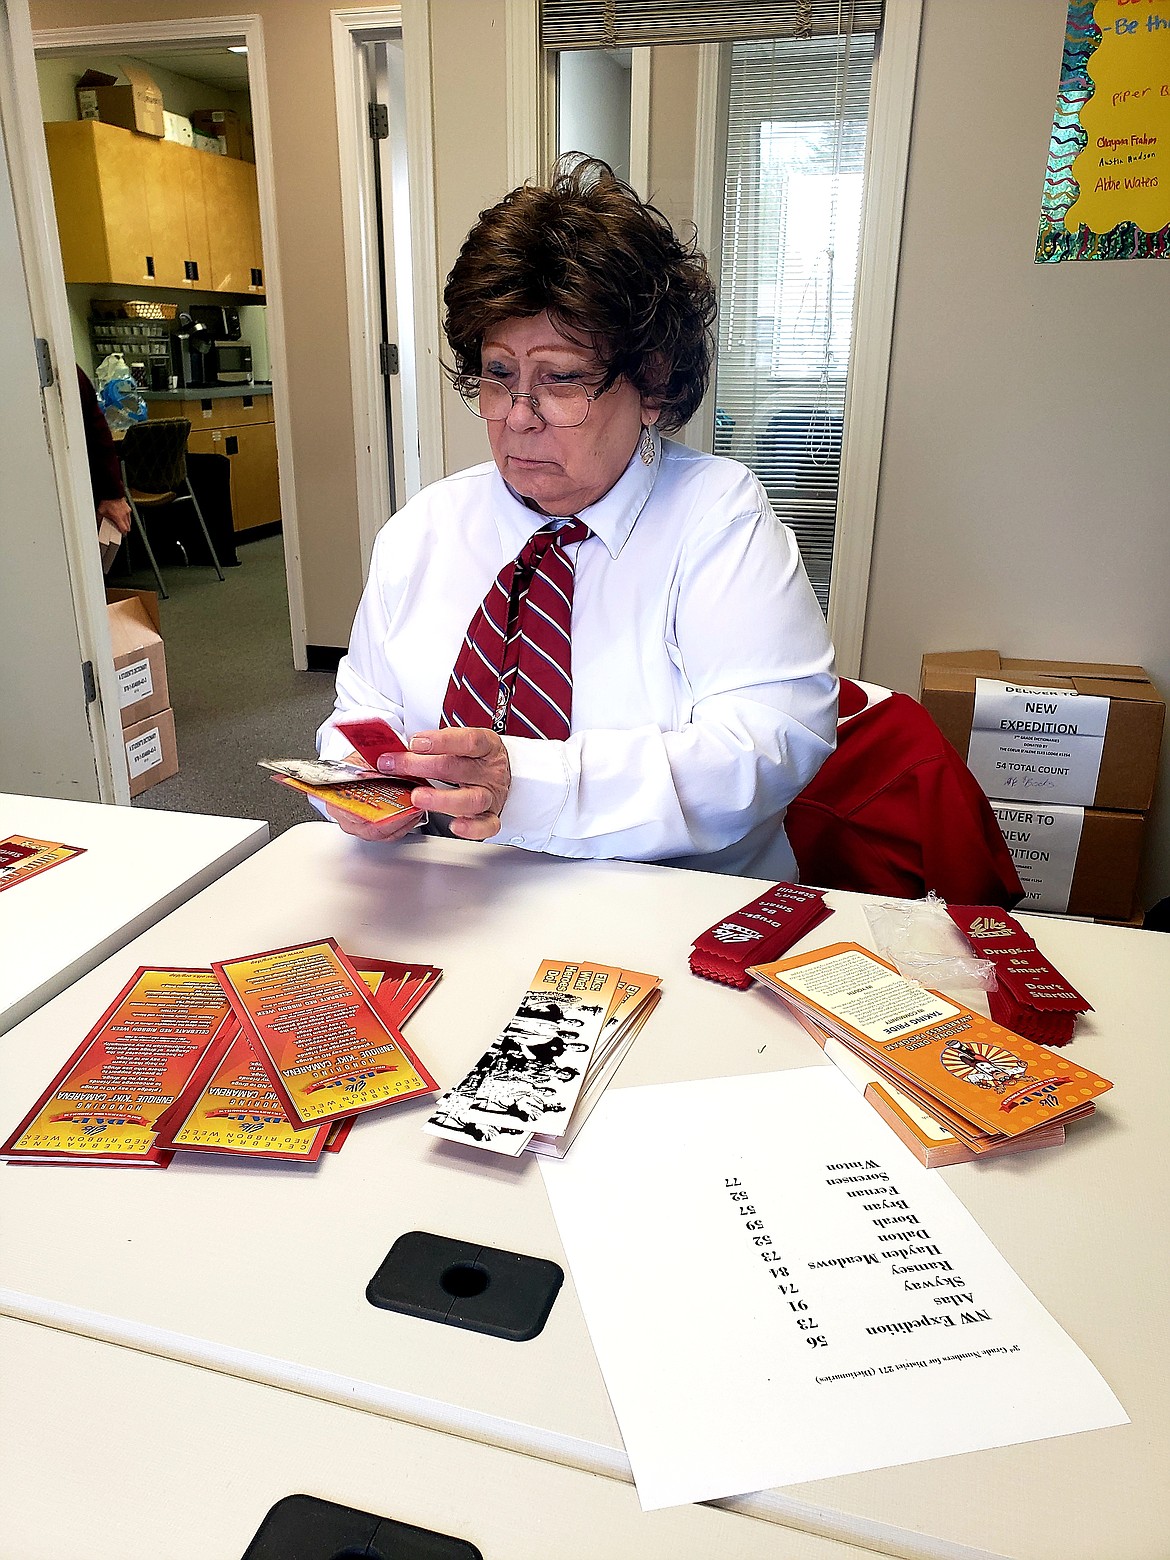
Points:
(1133, 733)
(139, 660)
(177, 128)
(138, 106)
(151, 753)
(224, 123)
(1075, 860)
(207, 143)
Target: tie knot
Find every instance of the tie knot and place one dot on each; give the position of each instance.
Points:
(538, 544)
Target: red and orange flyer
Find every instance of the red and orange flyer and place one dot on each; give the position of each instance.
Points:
(22, 857)
(373, 800)
(318, 1034)
(230, 1107)
(397, 988)
(105, 1103)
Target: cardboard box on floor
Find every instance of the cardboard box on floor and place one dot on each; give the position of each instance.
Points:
(138, 106)
(151, 752)
(139, 659)
(1103, 882)
(1133, 735)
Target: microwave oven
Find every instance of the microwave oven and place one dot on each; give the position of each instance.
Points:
(232, 363)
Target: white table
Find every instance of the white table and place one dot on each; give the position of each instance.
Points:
(165, 1460)
(260, 1272)
(138, 866)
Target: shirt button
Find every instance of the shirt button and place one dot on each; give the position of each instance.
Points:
(517, 839)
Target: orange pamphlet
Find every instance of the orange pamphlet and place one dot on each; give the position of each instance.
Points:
(104, 1104)
(22, 857)
(230, 1107)
(930, 1142)
(397, 989)
(318, 1034)
(373, 800)
(941, 1053)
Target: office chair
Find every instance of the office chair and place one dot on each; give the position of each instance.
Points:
(895, 810)
(154, 474)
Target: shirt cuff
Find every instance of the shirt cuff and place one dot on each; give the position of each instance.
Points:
(539, 791)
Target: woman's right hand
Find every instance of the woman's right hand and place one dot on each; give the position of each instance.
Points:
(386, 829)
(361, 828)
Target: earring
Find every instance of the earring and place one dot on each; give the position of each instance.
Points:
(646, 446)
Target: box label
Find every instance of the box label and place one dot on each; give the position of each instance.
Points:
(144, 752)
(1040, 745)
(134, 683)
(1044, 842)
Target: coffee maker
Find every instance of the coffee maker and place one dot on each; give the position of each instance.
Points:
(193, 350)
(210, 350)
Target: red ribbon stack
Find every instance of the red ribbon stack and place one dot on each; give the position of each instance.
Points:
(760, 932)
(1033, 999)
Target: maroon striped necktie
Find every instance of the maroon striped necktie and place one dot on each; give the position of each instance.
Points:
(514, 671)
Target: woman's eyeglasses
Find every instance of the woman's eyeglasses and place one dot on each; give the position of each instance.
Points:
(559, 404)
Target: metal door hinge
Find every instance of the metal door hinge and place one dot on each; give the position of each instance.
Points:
(88, 682)
(379, 119)
(44, 362)
(388, 357)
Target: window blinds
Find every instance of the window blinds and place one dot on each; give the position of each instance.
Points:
(618, 24)
(791, 222)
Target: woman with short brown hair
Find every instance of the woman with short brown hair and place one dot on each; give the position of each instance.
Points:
(602, 642)
(607, 268)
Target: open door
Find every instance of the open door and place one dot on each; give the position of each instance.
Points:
(53, 633)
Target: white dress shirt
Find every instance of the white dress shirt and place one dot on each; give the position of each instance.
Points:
(704, 694)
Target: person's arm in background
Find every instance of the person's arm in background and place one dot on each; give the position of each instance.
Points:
(105, 473)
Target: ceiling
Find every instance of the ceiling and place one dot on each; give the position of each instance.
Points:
(215, 67)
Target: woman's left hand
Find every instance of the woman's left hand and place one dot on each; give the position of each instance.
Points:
(474, 763)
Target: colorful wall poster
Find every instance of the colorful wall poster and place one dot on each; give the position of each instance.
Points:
(1107, 186)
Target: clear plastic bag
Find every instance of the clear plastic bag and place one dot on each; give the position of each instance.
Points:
(118, 393)
(924, 944)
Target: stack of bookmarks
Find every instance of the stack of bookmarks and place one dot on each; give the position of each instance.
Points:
(1032, 998)
(347, 787)
(981, 1088)
(761, 931)
(269, 1056)
(535, 1086)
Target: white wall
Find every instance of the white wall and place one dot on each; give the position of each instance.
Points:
(1025, 476)
(58, 77)
(593, 107)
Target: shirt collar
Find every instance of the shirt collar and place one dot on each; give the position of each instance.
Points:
(613, 516)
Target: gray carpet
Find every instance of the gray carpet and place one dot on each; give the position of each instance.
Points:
(233, 689)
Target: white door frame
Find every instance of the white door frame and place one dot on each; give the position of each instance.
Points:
(246, 28)
(351, 26)
(41, 252)
(887, 155)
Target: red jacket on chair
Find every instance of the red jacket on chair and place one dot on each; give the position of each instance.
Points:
(895, 810)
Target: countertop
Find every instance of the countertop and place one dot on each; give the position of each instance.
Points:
(208, 392)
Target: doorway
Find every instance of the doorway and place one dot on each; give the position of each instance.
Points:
(166, 224)
(384, 136)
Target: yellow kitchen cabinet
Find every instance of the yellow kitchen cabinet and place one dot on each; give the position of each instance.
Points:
(177, 208)
(251, 449)
(219, 411)
(226, 185)
(136, 210)
(99, 191)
